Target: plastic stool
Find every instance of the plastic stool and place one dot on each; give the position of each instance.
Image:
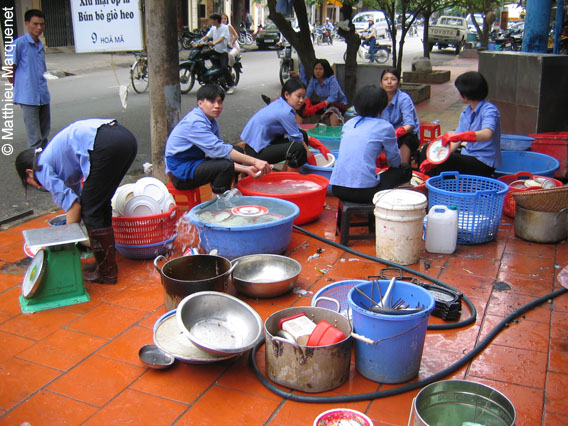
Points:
(429, 132)
(345, 210)
(185, 199)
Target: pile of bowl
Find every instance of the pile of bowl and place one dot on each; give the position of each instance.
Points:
(147, 197)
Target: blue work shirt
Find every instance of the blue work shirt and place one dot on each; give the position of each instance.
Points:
(30, 86)
(485, 116)
(193, 139)
(329, 90)
(362, 140)
(65, 160)
(401, 111)
(276, 119)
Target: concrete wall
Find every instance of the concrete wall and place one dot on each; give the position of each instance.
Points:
(530, 90)
(366, 74)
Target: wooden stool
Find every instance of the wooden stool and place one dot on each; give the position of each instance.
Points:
(345, 210)
(185, 199)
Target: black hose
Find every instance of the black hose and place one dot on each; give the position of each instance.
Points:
(410, 386)
(449, 326)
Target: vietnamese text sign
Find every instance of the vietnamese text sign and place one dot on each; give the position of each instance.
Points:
(107, 25)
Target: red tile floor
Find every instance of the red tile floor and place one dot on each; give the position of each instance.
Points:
(79, 364)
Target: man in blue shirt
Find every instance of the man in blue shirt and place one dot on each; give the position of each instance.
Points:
(195, 153)
(30, 86)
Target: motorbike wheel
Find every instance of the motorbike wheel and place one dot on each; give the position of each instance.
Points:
(139, 76)
(284, 73)
(186, 80)
(236, 76)
(249, 40)
(381, 56)
(180, 45)
(186, 43)
(363, 53)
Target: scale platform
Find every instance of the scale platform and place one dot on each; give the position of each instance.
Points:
(54, 277)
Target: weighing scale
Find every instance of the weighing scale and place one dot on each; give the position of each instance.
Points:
(54, 277)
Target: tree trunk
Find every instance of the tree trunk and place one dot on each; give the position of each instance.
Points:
(302, 40)
(425, 44)
(353, 42)
(163, 61)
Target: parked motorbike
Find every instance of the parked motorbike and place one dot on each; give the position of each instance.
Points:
(246, 37)
(287, 57)
(202, 65)
(187, 37)
(321, 35)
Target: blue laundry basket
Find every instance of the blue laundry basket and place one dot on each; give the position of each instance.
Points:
(479, 201)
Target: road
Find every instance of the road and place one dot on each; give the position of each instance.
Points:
(91, 94)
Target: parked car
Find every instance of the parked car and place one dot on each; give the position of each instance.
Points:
(361, 22)
(269, 36)
(448, 31)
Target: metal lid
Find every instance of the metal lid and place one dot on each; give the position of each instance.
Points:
(34, 275)
(400, 199)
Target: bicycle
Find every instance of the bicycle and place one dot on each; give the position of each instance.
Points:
(139, 72)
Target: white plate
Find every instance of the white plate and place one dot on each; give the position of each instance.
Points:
(122, 195)
(321, 161)
(151, 187)
(141, 205)
(437, 153)
(168, 203)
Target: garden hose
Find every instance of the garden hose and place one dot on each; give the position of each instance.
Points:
(410, 386)
(450, 326)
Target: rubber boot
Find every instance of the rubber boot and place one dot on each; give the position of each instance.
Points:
(102, 245)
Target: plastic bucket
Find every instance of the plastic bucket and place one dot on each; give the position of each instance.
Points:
(308, 169)
(459, 402)
(527, 161)
(515, 142)
(330, 136)
(554, 144)
(399, 216)
(398, 339)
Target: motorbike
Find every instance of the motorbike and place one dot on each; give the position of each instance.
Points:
(187, 37)
(202, 65)
(321, 35)
(383, 50)
(246, 37)
(288, 59)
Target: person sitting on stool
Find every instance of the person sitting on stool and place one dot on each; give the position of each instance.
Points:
(479, 126)
(195, 154)
(354, 177)
(99, 151)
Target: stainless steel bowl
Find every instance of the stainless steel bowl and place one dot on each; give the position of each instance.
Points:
(219, 323)
(153, 357)
(265, 275)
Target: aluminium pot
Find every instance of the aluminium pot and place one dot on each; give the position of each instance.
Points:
(541, 227)
(186, 275)
(308, 368)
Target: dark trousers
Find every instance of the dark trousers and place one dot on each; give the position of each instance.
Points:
(465, 164)
(410, 140)
(223, 59)
(219, 173)
(37, 119)
(372, 42)
(282, 149)
(391, 178)
(114, 151)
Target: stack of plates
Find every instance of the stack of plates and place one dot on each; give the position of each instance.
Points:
(147, 197)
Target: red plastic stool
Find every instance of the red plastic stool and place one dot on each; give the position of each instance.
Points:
(185, 199)
(429, 132)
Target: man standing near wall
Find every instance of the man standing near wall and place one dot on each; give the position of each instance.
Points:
(30, 86)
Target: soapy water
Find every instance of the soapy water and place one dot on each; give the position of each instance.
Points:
(286, 186)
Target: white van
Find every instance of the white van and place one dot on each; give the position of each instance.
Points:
(361, 22)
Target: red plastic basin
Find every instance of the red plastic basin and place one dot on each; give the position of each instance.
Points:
(310, 203)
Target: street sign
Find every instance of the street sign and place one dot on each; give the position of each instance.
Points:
(107, 25)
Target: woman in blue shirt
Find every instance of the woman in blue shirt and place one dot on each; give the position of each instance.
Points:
(479, 126)
(273, 135)
(99, 151)
(324, 95)
(401, 113)
(354, 177)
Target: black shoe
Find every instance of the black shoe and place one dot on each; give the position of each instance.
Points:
(266, 99)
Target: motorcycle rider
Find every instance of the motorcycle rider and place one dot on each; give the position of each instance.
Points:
(371, 38)
(234, 42)
(219, 38)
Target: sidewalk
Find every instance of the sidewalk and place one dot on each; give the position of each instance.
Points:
(61, 63)
(79, 364)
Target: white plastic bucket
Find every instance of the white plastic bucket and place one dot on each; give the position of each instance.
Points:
(399, 214)
(442, 230)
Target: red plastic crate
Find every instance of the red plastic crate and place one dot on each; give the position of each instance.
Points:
(144, 230)
(554, 144)
(185, 199)
(429, 132)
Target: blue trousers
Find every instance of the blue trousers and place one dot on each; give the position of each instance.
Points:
(372, 42)
(37, 119)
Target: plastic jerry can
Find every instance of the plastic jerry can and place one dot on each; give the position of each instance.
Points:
(442, 230)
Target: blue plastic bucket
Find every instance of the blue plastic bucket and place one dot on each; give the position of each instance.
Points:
(398, 339)
(527, 161)
(515, 142)
(236, 241)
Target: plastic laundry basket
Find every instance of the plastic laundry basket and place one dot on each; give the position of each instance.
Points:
(479, 201)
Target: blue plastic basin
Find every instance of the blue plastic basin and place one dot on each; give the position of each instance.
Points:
(526, 161)
(233, 242)
(516, 142)
(308, 169)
